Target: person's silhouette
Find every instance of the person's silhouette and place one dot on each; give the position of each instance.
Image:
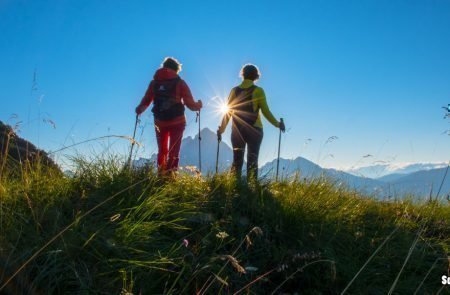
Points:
(245, 103)
(169, 94)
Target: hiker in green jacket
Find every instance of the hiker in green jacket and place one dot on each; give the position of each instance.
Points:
(244, 105)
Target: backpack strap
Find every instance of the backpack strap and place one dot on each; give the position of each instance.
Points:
(242, 102)
(238, 91)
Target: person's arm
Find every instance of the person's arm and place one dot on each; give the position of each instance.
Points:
(260, 97)
(223, 125)
(188, 100)
(146, 100)
(226, 118)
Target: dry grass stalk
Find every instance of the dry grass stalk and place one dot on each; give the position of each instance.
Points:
(233, 262)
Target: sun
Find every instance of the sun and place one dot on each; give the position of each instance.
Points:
(223, 108)
(220, 105)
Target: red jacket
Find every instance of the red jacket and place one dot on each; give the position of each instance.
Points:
(183, 94)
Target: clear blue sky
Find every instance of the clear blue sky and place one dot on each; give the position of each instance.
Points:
(373, 73)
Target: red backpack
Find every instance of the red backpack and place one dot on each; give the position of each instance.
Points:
(166, 106)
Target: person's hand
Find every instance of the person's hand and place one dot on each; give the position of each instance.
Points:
(199, 103)
(219, 135)
(139, 110)
(282, 127)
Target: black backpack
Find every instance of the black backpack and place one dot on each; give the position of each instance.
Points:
(165, 104)
(241, 105)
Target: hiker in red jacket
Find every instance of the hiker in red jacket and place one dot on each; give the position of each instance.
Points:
(169, 94)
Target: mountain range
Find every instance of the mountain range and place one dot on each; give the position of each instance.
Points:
(381, 170)
(381, 180)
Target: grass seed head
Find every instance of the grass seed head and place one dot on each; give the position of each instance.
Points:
(234, 263)
(248, 241)
(257, 231)
(114, 217)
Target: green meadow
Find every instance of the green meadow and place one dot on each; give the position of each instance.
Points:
(110, 230)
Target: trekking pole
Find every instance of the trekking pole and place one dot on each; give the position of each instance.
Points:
(199, 144)
(217, 156)
(133, 142)
(279, 146)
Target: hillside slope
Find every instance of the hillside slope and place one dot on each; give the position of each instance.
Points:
(17, 152)
(109, 231)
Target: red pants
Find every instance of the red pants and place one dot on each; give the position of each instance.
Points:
(169, 143)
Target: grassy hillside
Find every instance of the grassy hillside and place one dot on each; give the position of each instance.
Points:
(110, 231)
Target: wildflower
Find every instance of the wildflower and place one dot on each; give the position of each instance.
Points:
(222, 235)
(185, 243)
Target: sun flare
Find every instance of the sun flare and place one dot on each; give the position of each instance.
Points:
(220, 105)
(223, 108)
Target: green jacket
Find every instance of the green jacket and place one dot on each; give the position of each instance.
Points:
(259, 103)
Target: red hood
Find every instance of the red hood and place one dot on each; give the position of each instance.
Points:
(165, 74)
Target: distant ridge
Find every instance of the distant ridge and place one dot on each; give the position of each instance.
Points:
(422, 183)
(381, 170)
(403, 182)
(306, 169)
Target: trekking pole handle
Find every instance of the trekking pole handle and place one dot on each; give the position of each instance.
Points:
(279, 147)
(219, 135)
(282, 126)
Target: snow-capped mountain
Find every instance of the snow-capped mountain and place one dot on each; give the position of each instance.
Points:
(383, 170)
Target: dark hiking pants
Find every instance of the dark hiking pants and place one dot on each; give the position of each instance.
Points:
(246, 136)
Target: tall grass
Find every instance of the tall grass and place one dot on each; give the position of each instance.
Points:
(113, 230)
